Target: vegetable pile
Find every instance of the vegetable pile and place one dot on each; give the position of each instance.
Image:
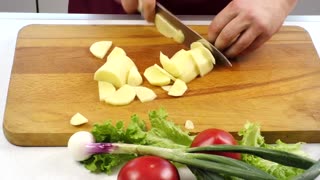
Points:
(212, 154)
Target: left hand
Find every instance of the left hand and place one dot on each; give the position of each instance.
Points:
(244, 25)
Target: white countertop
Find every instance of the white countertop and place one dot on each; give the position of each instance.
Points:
(54, 162)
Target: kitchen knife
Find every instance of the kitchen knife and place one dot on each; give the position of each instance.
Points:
(190, 36)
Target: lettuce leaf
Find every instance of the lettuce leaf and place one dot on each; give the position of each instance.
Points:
(162, 133)
(165, 133)
(251, 136)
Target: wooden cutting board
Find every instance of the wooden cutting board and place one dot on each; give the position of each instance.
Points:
(277, 86)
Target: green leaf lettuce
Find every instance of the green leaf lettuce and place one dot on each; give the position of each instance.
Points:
(251, 136)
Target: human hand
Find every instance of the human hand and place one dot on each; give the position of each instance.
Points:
(148, 7)
(244, 25)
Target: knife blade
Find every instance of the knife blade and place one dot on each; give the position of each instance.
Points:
(190, 35)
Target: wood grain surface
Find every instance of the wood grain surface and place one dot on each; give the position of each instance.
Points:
(277, 86)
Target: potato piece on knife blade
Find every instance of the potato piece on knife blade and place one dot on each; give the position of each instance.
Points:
(166, 29)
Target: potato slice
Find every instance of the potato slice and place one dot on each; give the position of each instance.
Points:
(178, 88)
(169, 65)
(184, 62)
(166, 88)
(116, 69)
(145, 94)
(105, 90)
(156, 77)
(110, 74)
(117, 51)
(134, 77)
(165, 72)
(179, 36)
(205, 51)
(123, 96)
(196, 45)
(167, 29)
(204, 65)
(78, 119)
(99, 49)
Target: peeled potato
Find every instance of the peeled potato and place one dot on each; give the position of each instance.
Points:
(156, 77)
(166, 88)
(167, 29)
(204, 65)
(123, 96)
(105, 90)
(178, 88)
(78, 119)
(205, 51)
(184, 62)
(145, 94)
(117, 52)
(116, 69)
(165, 72)
(169, 65)
(134, 77)
(99, 49)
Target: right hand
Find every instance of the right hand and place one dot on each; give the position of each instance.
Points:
(148, 8)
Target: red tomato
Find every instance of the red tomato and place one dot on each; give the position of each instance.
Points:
(148, 168)
(216, 136)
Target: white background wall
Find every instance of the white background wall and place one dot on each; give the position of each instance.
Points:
(304, 7)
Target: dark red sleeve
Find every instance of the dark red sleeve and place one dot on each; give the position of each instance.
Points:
(179, 7)
(95, 7)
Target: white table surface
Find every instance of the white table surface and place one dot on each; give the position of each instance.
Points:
(55, 162)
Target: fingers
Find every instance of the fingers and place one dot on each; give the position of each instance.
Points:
(149, 9)
(220, 21)
(242, 43)
(130, 6)
(231, 32)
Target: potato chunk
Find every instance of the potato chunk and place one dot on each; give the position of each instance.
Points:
(184, 62)
(134, 77)
(78, 119)
(178, 88)
(116, 69)
(204, 65)
(105, 90)
(123, 96)
(99, 49)
(156, 77)
(169, 65)
(145, 94)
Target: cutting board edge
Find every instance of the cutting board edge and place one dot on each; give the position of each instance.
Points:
(35, 139)
(60, 140)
